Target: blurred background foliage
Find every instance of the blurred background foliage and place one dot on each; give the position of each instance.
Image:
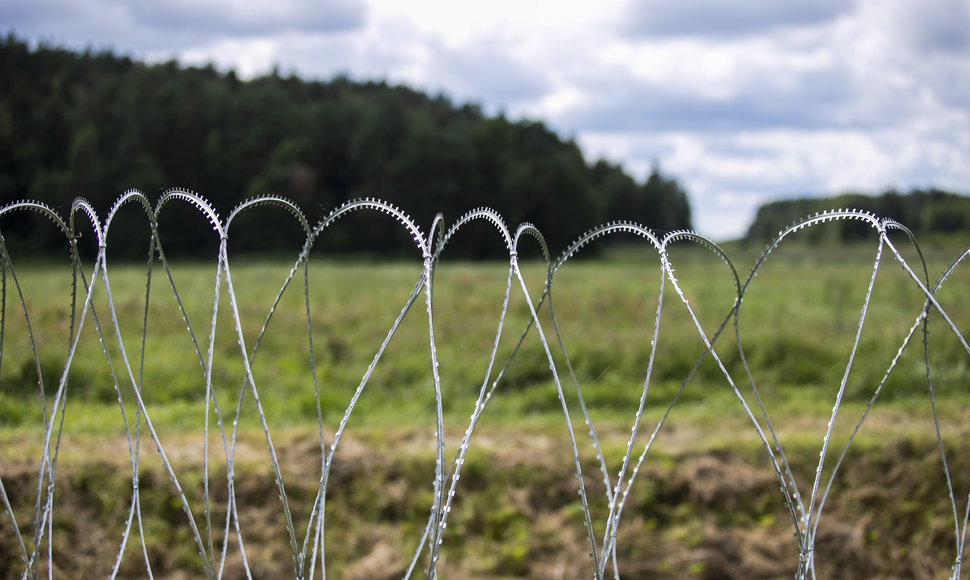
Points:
(928, 213)
(96, 124)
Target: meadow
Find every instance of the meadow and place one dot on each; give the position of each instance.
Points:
(706, 493)
(797, 324)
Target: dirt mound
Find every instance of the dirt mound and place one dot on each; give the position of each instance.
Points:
(708, 514)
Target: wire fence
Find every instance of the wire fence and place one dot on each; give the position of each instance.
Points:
(218, 534)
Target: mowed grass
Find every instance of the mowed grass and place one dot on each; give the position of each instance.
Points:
(797, 325)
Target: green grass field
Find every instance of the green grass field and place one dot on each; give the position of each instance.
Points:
(797, 325)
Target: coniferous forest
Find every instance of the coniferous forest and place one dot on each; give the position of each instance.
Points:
(96, 124)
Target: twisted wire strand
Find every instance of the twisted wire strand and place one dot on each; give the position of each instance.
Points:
(308, 544)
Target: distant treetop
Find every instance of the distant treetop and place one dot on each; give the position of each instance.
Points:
(96, 124)
(923, 212)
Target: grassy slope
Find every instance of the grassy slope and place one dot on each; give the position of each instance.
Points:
(706, 483)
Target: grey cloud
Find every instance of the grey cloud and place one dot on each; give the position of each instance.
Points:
(45, 18)
(936, 26)
(718, 18)
(140, 26)
(815, 102)
(226, 17)
(929, 45)
(16, 12)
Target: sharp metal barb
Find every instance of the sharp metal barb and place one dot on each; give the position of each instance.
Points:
(98, 312)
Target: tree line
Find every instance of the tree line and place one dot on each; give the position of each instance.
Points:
(95, 124)
(924, 212)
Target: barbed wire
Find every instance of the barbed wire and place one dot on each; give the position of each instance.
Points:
(308, 542)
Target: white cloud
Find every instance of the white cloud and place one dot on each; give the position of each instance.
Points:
(739, 102)
(527, 25)
(729, 175)
(482, 72)
(250, 58)
(717, 18)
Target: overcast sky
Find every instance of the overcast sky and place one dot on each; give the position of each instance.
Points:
(741, 102)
